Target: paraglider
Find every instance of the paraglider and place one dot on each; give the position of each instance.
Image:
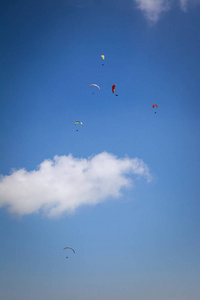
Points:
(103, 57)
(113, 89)
(69, 248)
(154, 105)
(95, 86)
(78, 122)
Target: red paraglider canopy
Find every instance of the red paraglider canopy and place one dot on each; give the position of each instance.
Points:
(113, 88)
(154, 105)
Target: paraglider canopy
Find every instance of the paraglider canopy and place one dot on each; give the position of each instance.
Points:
(94, 85)
(113, 88)
(69, 248)
(77, 122)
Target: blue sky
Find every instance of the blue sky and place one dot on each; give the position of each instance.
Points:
(123, 190)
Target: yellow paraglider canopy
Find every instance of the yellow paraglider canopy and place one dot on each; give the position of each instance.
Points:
(77, 122)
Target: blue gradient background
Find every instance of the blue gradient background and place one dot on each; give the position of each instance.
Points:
(146, 244)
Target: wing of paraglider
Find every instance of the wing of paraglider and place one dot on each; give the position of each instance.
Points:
(113, 88)
(94, 85)
(77, 122)
(69, 248)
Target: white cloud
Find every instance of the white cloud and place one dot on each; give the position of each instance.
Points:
(153, 8)
(183, 4)
(65, 183)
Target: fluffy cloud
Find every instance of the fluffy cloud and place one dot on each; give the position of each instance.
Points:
(65, 183)
(154, 8)
(183, 4)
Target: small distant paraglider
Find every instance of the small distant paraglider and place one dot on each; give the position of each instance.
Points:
(78, 122)
(113, 89)
(94, 84)
(70, 249)
(155, 105)
(103, 57)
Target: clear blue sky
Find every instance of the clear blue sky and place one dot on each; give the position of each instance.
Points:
(145, 243)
